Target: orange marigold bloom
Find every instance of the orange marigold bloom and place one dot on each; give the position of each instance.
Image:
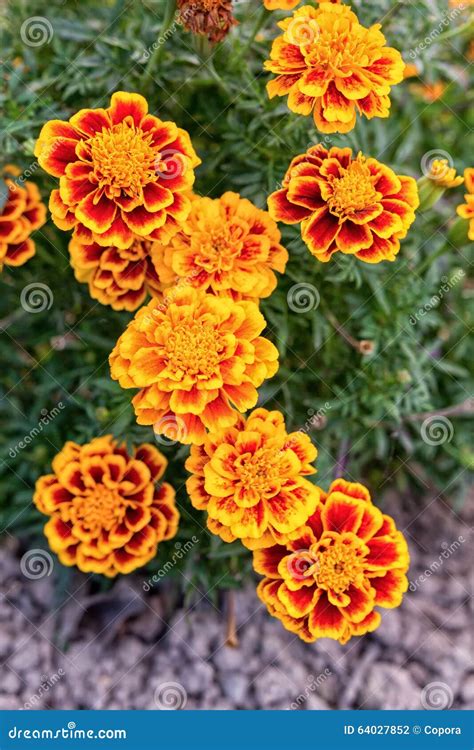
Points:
(212, 18)
(116, 276)
(197, 359)
(466, 210)
(21, 212)
(280, 4)
(332, 66)
(107, 512)
(226, 246)
(250, 479)
(122, 172)
(352, 205)
(349, 560)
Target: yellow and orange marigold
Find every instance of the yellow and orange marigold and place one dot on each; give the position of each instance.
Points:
(119, 277)
(198, 360)
(21, 212)
(353, 205)
(466, 210)
(250, 479)
(280, 4)
(122, 172)
(227, 247)
(349, 560)
(331, 66)
(108, 513)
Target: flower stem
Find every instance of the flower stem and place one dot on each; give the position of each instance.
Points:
(262, 15)
(159, 44)
(232, 639)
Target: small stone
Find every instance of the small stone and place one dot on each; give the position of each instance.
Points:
(390, 688)
(235, 687)
(273, 687)
(467, 691)
(10, 682)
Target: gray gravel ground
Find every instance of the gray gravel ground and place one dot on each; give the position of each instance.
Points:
(133, 650)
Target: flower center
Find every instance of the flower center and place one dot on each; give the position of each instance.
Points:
(194, 348)
(339, 562)
(353, 190)
(336, 45)
(218, 249)
(124, 159)
(259, 470)
(100, 509)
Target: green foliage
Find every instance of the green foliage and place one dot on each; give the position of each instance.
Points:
(370, 403)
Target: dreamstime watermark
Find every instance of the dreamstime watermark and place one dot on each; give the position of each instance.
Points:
(437, 696)
(436, 164)
(448, 550)
(46, 684)
(180, 552)
(46, 418)
(171, 163)
(179, 20)
(170, 430)
(446, 20)
(302, 30)
(303, 298)
(436, 299)
(36, 564)
(311, 687)
(36, 31)
(71, 732)
(170, 696)
(36, 297)
(437, 430)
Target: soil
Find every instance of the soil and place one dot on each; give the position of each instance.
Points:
(128, 649)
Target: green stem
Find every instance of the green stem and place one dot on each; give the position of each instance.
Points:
(262, 15)
(466, 26)
(430, 260)
(158, 47)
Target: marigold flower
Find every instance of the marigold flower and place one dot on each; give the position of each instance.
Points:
(212, 18)
(356, 206)
(118, 277)
(250, 479)
(197, 359)
(107, 512)
(330, 65)
(122, 172)
(466, 210)
(443, 175)
(226, 246)
(21, 212)
(349, 560)
(280, 4)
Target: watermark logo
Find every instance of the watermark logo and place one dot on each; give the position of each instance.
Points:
(36, 564)
(303, 298)
(36, 31)
(170, 696)
(436, 696)
(36, 297)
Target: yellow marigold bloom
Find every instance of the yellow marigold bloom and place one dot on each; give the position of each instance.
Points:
(280, 4)
(349, 560)
(443, 175)
(21, 212)
(211, 18)
(330, 65)
(356, 206)
(107, 512)
(466, 210)
(118, 277)
(411, 71)
(122, 172)
(250, 479)
(227, 247)
(198, 360)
